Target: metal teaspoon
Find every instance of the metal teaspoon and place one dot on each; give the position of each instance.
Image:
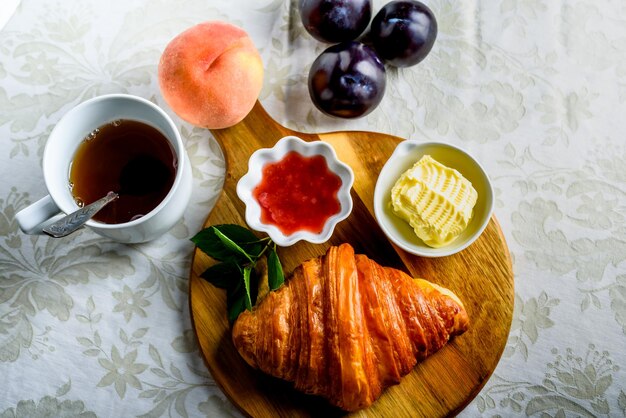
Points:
(140, 176)
(77, 219)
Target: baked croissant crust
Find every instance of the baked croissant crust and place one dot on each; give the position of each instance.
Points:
(345, 328)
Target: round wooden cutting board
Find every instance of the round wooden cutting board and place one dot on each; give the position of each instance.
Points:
(481, 276)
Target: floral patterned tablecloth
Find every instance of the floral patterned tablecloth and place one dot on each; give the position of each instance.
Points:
(535, 89)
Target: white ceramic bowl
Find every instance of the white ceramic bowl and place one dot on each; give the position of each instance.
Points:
(406, 154)
(253, 177)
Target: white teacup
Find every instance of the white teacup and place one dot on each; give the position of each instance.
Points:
(59, 152)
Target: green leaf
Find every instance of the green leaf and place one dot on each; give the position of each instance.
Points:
(238, 249)
(209, 243)
(232, 291)
(275, 275)
(231, 245)
(246, 282)
(243, 237)
(254, 286)
(237, 233)
(236, 305)
(223, 275)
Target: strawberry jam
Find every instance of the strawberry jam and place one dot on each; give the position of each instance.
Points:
(298, 193)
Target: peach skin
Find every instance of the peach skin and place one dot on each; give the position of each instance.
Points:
(211, 74)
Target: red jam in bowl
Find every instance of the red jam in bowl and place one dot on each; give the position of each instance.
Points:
(298, 193)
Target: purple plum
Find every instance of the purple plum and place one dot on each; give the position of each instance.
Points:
(335, 20)
(403, 32)
(347, 80)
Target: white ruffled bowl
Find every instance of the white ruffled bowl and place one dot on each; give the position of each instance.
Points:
(253, 177)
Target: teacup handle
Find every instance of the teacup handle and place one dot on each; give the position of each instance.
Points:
(31, 218)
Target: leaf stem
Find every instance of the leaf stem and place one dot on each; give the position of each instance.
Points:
(269, 243)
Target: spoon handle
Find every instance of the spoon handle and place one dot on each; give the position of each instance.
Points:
(75, 220)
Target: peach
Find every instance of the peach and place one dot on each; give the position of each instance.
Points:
(211, 74)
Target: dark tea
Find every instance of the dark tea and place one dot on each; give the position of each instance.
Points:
(127, 157)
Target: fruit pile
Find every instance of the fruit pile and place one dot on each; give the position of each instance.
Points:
(348, 79)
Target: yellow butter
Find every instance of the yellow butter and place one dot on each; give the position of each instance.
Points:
(437, 201)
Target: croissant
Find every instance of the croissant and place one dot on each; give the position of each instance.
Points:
(345, 328)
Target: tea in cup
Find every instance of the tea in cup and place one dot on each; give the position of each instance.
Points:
(119, 143)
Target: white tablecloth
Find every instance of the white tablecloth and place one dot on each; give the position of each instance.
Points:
(535, 89)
